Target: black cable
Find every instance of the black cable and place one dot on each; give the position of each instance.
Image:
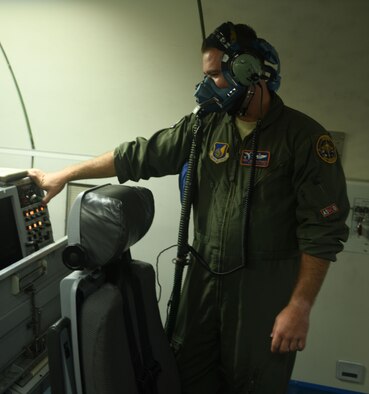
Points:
(202, 24)
(22, 103)
(157, 270)
(248, 196)
(206, 265)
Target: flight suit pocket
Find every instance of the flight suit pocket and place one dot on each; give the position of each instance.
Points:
(204, 206)
(314, 200)
(274, 184)
(275, 172)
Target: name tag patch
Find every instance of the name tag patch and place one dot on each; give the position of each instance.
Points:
(262, 158)
(330, 210)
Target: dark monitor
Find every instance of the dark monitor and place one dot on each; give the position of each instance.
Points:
(10, 248)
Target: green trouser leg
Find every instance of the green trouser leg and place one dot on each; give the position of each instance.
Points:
(222, 337)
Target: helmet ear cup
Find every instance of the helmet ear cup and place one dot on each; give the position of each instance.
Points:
(246, 68)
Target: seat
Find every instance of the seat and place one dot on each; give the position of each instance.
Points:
(110, 338)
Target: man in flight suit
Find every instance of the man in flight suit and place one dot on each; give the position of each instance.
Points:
(242, 320)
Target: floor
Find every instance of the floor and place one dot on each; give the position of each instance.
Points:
(306, 388)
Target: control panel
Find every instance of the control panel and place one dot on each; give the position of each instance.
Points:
(25, 222)
(358, 219)
(35, 216)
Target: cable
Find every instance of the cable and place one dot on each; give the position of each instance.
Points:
(30, 134)
(157, 269)
(199, 6)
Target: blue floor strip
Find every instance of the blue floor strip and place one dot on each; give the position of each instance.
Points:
(297, 387)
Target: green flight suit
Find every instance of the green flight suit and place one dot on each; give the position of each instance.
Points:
(299, 204)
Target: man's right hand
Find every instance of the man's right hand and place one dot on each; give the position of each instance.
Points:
(53, 182)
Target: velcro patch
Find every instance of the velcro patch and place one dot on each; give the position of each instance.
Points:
(219, 152)
(330, 210)
(262, 158)
(326, 149)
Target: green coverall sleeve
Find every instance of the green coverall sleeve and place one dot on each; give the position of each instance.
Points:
(162, 154)
(322, 203)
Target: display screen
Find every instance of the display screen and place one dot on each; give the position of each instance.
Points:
(10, 249)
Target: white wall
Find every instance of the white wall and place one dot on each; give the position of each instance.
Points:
(95, 73)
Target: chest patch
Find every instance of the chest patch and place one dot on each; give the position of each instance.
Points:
(262, 158)
(219, 152)
(326, 149)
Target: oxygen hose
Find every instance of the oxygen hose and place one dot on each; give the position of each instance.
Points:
(182, 245)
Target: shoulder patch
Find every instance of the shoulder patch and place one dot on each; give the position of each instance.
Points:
(326, 150)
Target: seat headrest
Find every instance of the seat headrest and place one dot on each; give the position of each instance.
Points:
(104, 222)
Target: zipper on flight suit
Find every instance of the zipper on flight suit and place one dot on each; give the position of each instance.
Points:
(231, 193)
(240, 146)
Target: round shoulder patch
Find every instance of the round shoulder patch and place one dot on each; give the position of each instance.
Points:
(326, 150)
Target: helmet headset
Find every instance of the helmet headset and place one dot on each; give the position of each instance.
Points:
(243, 68)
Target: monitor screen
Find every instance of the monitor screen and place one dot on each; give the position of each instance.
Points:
(10, 249)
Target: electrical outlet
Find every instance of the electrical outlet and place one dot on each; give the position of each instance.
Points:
(350, 371)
